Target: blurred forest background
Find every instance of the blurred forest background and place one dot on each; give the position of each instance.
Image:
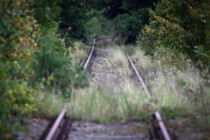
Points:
(37, 38)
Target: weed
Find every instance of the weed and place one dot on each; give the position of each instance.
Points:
(50, 104)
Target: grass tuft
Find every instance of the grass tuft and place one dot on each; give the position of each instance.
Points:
(50, 104)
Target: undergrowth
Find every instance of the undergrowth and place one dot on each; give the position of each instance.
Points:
(177, 93)
(171, 86)
(105, 105)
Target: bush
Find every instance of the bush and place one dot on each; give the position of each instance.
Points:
(53, 66)
(130, 25)
(18, 31)
(179, 26)
(19, 41)
(98, 26)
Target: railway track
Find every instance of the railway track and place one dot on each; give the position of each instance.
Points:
(156, 114)
(61, 127)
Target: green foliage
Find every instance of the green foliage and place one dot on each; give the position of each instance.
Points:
(174, 113)
(98, 26)
(18, 32)
(45, 11)
(130, 17)
(118, 7)
(129, 27)
(179, 26)
(21, 38)
(73, 18)
(53, 66)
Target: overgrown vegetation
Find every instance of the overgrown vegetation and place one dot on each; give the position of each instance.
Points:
(18, 32)
(98, 26)
(177, 93)
(179, 30)
(173, 30)
(106, 105)
(109, 105)
(33, 57)
(42, 49)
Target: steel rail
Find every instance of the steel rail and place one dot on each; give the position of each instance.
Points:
(91, 53)
(139, 77)
(62, 114)
(56, 125)
(157, 114)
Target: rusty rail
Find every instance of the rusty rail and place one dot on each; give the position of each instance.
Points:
(157, 114)
(56, 125)
(91, 53)
(58, 129)
(139, 77)
(60, 120)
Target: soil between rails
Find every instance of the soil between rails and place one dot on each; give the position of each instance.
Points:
(104, 74)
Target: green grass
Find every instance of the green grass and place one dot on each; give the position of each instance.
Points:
(102, 106)
(176, 94)
(50, 104)
(79, 52)
(98, 105)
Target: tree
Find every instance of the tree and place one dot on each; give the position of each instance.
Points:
(73, 18)
(130, 16)
(118, 7)
(181, 26)
(46, 11)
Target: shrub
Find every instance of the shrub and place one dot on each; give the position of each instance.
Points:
(129, 26)
(18, 31)
(179, 27)
(54, 67)
(98, 26)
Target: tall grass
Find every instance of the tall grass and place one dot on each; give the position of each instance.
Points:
(101, 106)
(172, 90)
(79, 52)
(105, 105)
(50, 104)
(119, 61)
(184, 89)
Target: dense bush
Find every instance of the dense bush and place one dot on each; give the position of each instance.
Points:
(53, 66)
(179, 27)
(18, 32)
(31, 54)
(46, 11)
(129, 26)
(130, 17)
(73, 18)
(98, 26)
